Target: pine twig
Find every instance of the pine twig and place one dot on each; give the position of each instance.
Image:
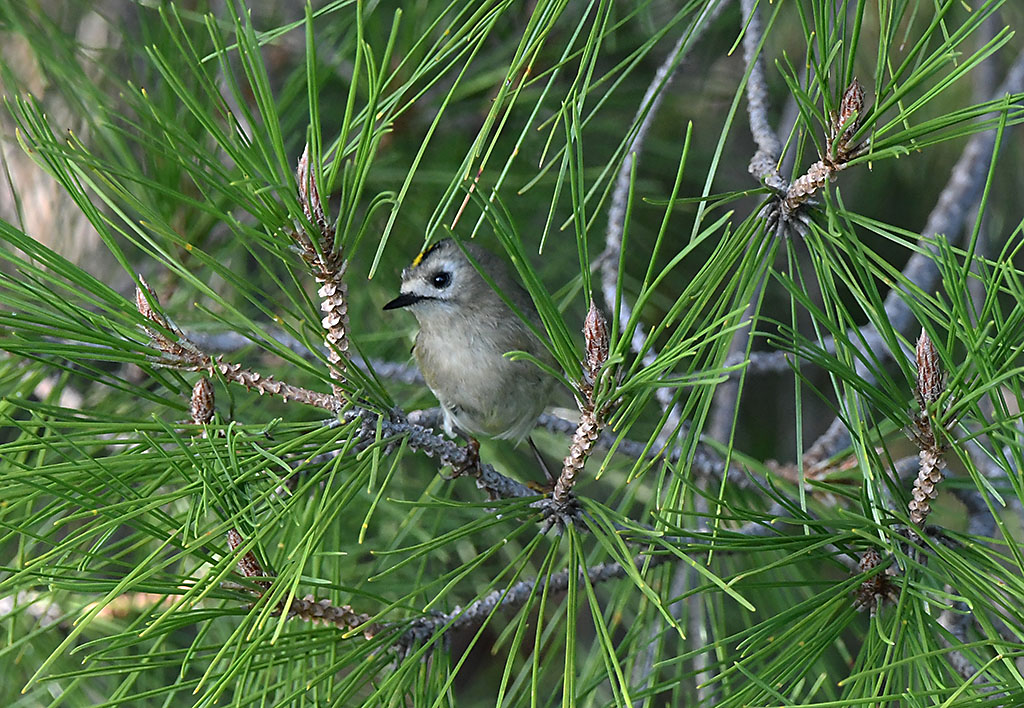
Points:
(422, 439)
(706, 463)
(310, 609)
(785, 213)
(230, 341)
(764, 164)
(248, 565)
(306, 608)
(179, 352)
(507, 600)
(947, 217)
(951, 210)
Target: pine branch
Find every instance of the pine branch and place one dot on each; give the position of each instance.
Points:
(474, 615)
(610, 257)
(510, 599)
(947, 217)
(764, 165)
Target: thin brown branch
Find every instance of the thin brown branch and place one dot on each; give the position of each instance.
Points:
(202, 408)
(307, 608)
(248, 565)
(344, 617)
(230, 341)
(177, 351)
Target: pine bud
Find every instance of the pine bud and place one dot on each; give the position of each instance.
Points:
(851, 103)
(309, 198)
(869, 560)
(248, 565)
(930, 380)
(142, 303)
(201, 405)
(875, 589)
(595, 334)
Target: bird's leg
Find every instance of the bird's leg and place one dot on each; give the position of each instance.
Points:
(550, 484)
(540, 459)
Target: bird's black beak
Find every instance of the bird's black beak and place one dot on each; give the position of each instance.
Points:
(403, 300)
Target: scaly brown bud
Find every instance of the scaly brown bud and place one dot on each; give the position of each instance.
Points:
(328, 268)
(595, 334)
(852, 103)
(143, 303)
(869, 560)
(248, 566)
(309, 194)
(596, 349)
(930, 379)
(201, 405)
(234, 539)
(876, 588)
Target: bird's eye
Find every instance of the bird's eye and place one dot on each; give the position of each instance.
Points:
(441, 279)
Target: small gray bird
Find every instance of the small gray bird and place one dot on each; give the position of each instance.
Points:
(465, 330)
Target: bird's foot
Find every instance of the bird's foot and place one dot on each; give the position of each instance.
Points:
(471, 465)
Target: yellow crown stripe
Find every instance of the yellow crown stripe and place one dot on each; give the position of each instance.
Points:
(423, 254)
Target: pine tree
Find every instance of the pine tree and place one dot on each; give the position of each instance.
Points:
(774, 248)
